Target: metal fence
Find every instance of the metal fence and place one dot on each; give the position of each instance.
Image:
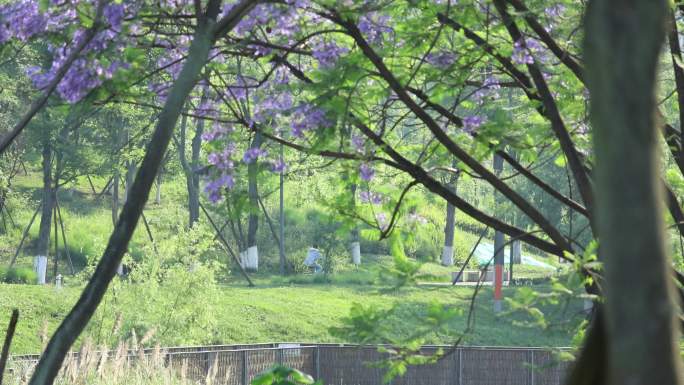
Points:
(354, 365)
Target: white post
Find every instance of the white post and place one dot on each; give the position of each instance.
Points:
(356, 253)
(40, 267)
(249, 259)
(447, 255)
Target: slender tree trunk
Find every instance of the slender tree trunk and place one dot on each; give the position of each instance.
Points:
(281, 217)
(130, 176)
(499, 240)
(622, 44)
(115, 196)
(450, 228)
(251, 255)
(189, 167)
(193, 180)
(355, 238)
(43, 245)
(157, 197)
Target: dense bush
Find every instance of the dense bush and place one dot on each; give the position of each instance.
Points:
(17, 275)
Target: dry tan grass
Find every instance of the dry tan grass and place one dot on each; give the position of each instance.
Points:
(128, 364)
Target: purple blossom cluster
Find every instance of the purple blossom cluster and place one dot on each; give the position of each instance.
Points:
(252, 154)
(114, 14)
(524, 51)
(358, 143)
(239, 89)
(441, 59)
(307, 117)
(366, 171)
(218, 131)
(382, 221)
(490, 88)
(555, 11)
(223, 160)
(272, 105)
(279, 21)
(472, 123)
(25, 19)
(374, 26)
(214, 187)
(22, 20)
(278, 166)
(370, 197)
(327, 53)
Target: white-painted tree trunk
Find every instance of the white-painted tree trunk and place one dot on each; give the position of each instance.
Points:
(356, 253)
(516, 252)
(447, 255)
(40, 267)
(250, 259)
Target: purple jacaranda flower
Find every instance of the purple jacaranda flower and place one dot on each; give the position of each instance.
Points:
(327, 53)
(307, 117)
(366, 171)
(370, 197)
(472, 123)
(114, 14)
(278, 166)
(253, 154)
(358, 143)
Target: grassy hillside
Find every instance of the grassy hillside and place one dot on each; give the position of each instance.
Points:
(167, 301)
(286, 313)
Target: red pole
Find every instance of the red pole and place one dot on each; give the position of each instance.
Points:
(498, 281)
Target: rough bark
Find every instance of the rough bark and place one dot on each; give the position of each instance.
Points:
(622, 44)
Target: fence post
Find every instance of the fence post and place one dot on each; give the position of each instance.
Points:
(460, 366)
(245, 368)
(531, 366)
(317, 362)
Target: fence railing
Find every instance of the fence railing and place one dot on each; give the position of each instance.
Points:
(353, 365)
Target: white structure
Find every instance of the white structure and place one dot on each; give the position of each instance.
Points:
(40, 267)
(447, 255)
(356, 253)
(249, 259)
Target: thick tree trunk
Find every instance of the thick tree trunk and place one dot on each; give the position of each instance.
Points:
(43, 244)
(622, 45)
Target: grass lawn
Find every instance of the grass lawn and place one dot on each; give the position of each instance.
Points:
(271, 312)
